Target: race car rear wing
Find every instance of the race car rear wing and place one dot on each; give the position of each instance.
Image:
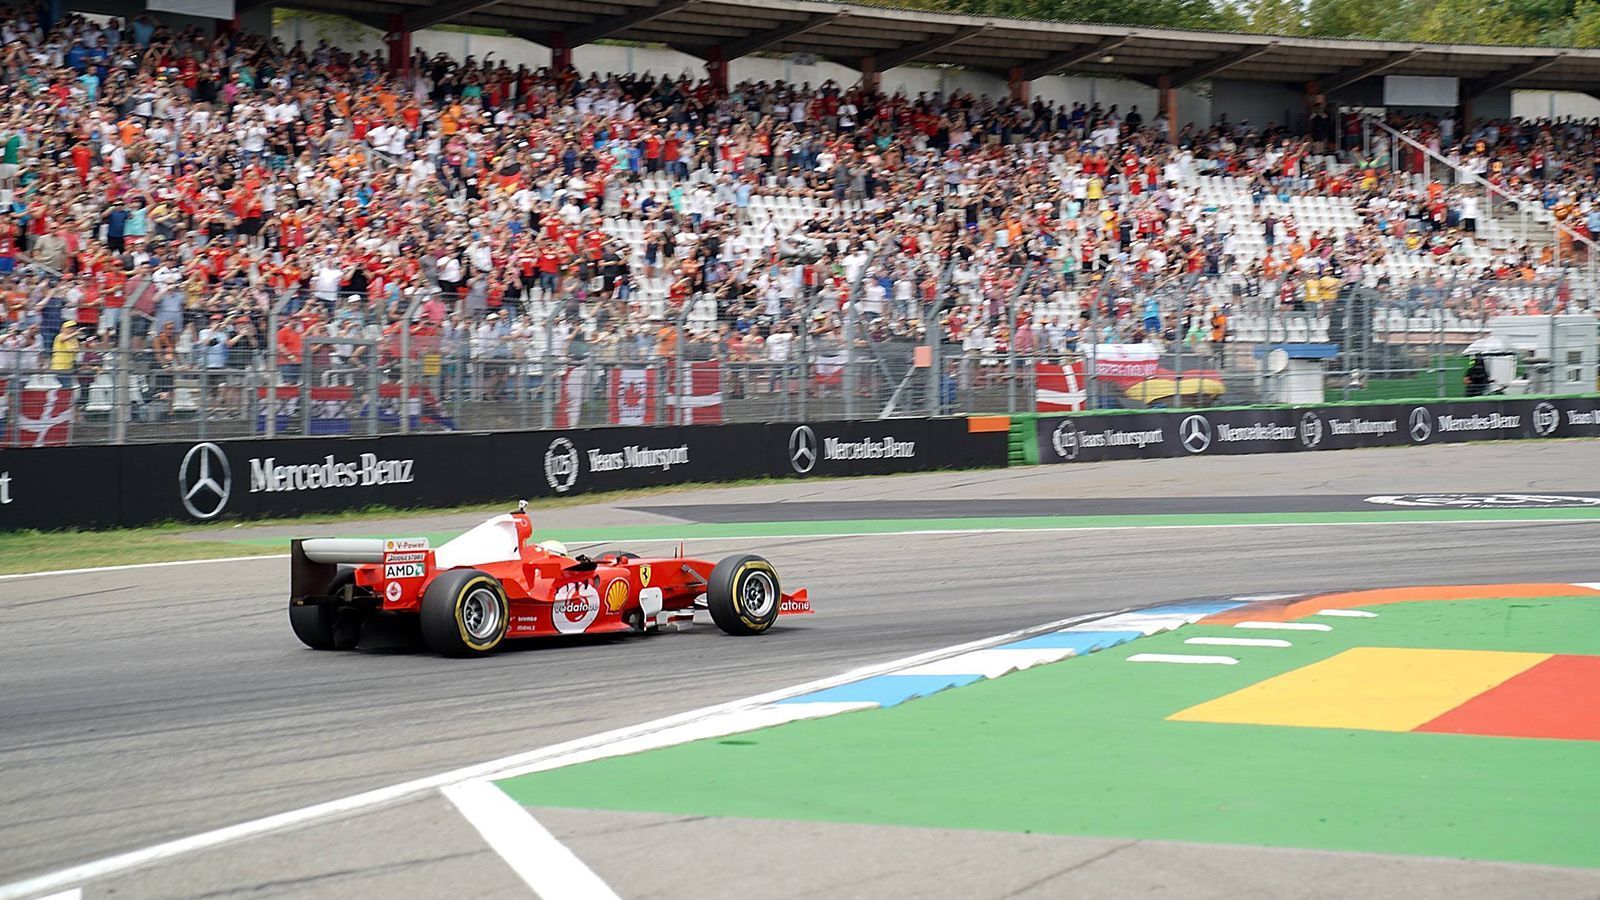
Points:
(313, 562)
(308, 577)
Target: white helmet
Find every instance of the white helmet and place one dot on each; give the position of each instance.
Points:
(555, 547)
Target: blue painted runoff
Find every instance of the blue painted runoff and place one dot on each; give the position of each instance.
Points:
(1079, 642)
(885, 690)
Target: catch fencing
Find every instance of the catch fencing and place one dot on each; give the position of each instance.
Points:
(1026, 337)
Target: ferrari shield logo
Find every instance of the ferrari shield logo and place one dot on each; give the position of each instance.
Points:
(644, 576)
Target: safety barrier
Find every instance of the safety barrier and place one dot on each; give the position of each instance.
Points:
(135, 484)
(1097, 436)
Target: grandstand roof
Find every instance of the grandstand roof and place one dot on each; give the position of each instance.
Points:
(845, 34)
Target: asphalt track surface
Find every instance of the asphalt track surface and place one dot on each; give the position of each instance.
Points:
(151, 704)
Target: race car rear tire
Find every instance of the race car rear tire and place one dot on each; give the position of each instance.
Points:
(464, 613)
(743, 595)
(329, 627)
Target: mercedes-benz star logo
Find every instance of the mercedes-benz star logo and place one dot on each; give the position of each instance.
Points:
(1421, 424)
(205, 480)
(1310, 430)
(561, 465)
(1065, 440)
(1195, 434)
(803, 449)
(1545, 419)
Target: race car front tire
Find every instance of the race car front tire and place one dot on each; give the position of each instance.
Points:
(464, 613)
(329, 627)
(742, 595)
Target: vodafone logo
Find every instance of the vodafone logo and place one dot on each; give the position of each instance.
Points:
(575, 608)
(392, 592)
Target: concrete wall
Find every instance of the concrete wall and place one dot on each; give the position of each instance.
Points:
(1554, 104)
(1260, 103)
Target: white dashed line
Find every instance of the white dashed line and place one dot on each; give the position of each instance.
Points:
(1286, 626)
(1184, 658)
(1347, 613)
(1238, 642)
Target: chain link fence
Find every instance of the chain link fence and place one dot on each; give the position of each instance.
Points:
(1029, 336)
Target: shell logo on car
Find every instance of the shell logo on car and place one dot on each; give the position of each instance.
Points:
(616, 594)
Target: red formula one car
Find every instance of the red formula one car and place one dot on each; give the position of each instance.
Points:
(494, 582)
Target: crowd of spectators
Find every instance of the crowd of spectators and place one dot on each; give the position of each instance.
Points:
(171, 189)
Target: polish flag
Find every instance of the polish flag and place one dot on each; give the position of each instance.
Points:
(1057, 388)
(633, 396)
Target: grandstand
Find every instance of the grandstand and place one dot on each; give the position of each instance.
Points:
(230, 221)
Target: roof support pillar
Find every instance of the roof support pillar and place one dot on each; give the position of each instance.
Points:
(717, 70)
(1167, 105)
(1020, 86)
(398, 39)
(869, 74)
(560, 52)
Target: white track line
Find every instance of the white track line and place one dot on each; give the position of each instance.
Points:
(1237, 642)
(548, 866)
(610, 743)
(909, 533)
(1286, 626)
(1347, 613)
(1184, 658)
(155, 565)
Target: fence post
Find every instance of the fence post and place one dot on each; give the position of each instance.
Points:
(848, 382)
(1013, 304)
(405, 373)
(374, 394)
(269, 416)
(551, 380)
(805, 353)
(119, 403)
(205, 397)
(305, 388)
(935, 338)
(1439, 351)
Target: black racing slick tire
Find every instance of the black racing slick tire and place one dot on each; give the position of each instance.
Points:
(464, 613)
(329, 627)
(742, 595)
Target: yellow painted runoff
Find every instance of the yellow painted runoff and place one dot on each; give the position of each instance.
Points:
(1372, 688)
